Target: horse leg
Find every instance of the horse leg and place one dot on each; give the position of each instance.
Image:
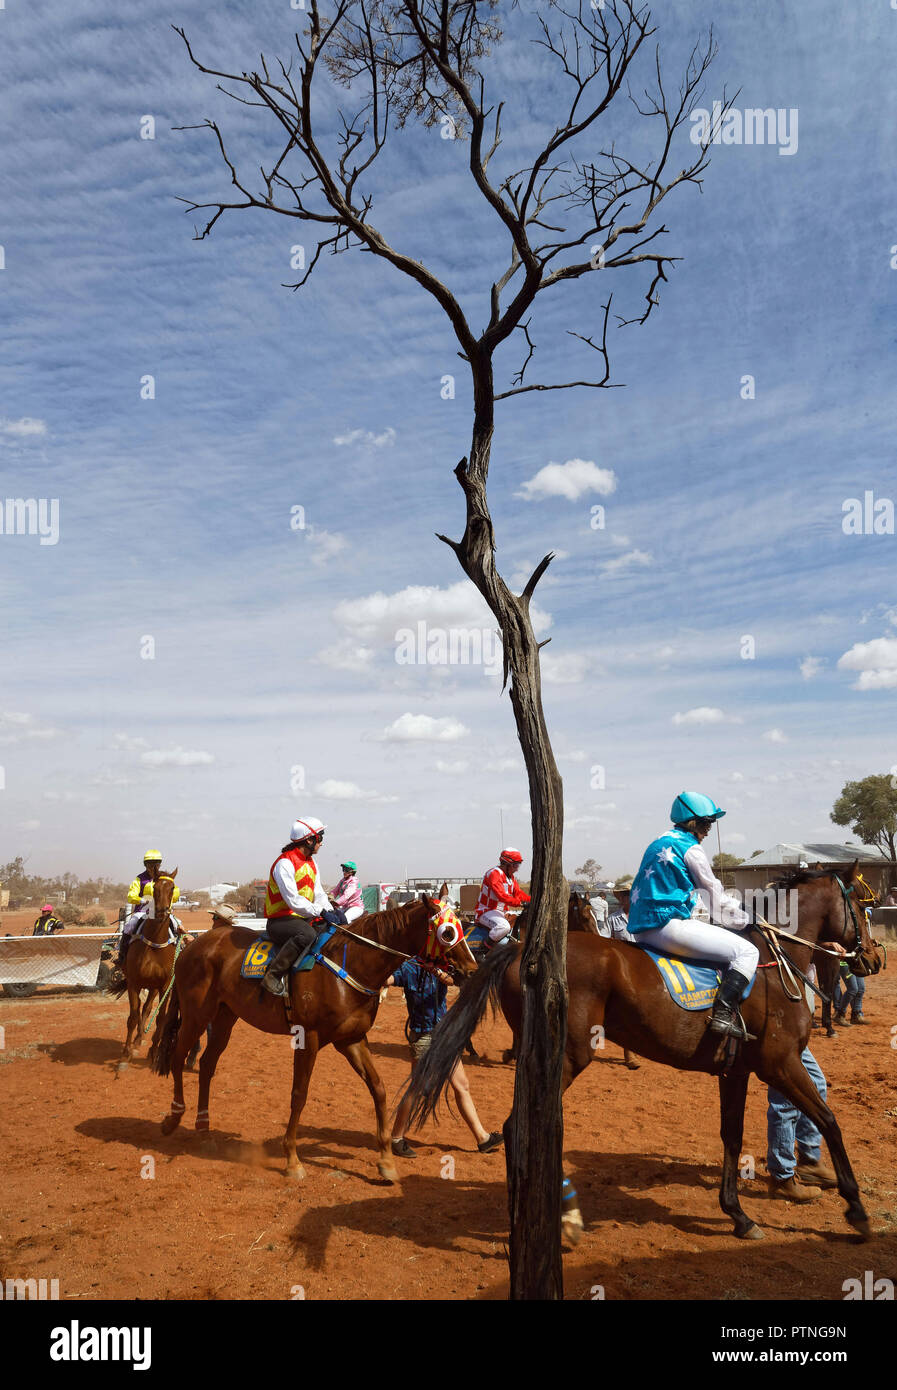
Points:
(218, 1041)
(303, 1065)
(189, 1032)
(796, 1084)
(133, 1024)
(572, 1225)
(358, 1055)
(732, 1096)
(151, 996)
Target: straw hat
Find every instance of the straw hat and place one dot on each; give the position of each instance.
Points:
(224, 911)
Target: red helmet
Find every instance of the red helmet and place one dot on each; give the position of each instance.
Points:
(511, 856)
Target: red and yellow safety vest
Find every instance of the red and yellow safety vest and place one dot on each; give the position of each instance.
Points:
(306, 871)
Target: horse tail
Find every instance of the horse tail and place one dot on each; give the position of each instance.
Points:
(119, 989)
(431, 1076)
(170, 1025)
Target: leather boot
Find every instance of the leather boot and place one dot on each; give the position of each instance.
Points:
(792, 1191)
(122, 952)
(814, 1173)
(724, 1018)
(273, 978)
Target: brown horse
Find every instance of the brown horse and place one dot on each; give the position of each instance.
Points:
(148, 965)
(616, 987)
(325, 1008)
(827, 971)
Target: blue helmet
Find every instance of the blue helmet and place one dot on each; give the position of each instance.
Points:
(689, 804)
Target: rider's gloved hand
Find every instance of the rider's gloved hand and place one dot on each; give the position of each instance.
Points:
(335, 918)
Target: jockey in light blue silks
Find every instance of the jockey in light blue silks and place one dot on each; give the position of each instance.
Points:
(677, 900)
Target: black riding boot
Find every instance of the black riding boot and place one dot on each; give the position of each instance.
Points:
(273, 978)
(123, 951)
(724, 1018)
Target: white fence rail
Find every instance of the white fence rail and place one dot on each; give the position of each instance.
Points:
(72, 959)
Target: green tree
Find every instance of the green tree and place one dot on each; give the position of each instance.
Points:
(869, 807)
(723, 862)
(590, 871)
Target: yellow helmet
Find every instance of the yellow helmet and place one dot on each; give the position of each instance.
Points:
(152, 855)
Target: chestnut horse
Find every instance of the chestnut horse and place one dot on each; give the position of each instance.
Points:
(616, 987)
(827, 971)
(148, 965)
(325, 1008)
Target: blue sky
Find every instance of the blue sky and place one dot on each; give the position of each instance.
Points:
(275, 647)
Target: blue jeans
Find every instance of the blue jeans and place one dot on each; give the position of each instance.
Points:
(857, 1009)
(848, 994)
(785, 1124)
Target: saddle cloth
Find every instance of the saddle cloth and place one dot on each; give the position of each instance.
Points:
(691, 983)
(255, 961)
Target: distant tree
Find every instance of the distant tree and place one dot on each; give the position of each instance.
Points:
(869, 807)
(591, 872)
(722, 862)
(755, 853)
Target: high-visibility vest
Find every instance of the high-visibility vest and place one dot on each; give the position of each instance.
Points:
(306, 871)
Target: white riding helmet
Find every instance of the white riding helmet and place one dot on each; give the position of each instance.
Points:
(308, 825)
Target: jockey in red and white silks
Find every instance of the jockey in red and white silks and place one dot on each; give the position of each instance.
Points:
(498, 893)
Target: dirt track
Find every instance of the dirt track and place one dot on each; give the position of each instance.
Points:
(219, 1220)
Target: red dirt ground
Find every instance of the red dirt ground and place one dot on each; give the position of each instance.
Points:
(219, 1220)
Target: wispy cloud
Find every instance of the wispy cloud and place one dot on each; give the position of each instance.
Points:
(424, 728)
(175, 757)
(375, 441)
(571, 480)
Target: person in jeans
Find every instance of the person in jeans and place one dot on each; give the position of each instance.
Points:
(425, 993)
(799, 1180)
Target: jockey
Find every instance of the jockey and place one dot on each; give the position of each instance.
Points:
(140, 895)
(347, 893)
(295, 900)
(675, 884)
(499, 892)
(46, 923)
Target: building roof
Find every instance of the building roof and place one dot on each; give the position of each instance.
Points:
(781, 855)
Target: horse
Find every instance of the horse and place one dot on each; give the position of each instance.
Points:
(148, 965)
(827, 972)
(331, 1003)
(580, 918)
(616, 987)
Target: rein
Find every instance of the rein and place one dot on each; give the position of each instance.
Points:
(786, 965)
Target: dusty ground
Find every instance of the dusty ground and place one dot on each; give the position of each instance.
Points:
(218, 1220)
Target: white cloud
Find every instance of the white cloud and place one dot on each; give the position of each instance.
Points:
(423, 728)
(775, 736)
(324, 544)
(346, 655)
(451, 769)
(564, 668)
(16, 726)
(571, 480)
(577, 756)
(125, 744)
(175, 757)
(24, 427)
(29, 825)
(876, 662)
(377, 617)
(633, 559)
(504, 765)
(332, 790)
(704, 714)
(735, 777)
(733, 838)
(375, 441)
(810, 667)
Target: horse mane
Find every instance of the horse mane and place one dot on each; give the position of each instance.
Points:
(387, 922)
(792, 878)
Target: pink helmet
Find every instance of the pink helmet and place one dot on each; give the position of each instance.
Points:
(47, 907)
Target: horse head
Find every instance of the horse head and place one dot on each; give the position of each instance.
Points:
(446, 943)
(163, 891)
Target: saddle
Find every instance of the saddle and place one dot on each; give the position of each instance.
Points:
(260, 953)
(692, 984)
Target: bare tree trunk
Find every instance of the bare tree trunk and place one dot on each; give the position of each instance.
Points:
(535, 1133)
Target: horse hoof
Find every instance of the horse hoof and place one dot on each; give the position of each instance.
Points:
(388, 1172)
(296, 1174)
(862, 1227)
(753, 1232)
(122, 1066)
(170, 1124)
(202, 1125)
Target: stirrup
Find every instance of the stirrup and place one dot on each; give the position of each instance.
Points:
(275, 984)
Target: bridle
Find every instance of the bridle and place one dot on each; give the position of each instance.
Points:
(786, 965)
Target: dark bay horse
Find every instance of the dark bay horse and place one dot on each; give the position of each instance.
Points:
(616, 987)
(148, 964)
(827, 971)
(209, 989)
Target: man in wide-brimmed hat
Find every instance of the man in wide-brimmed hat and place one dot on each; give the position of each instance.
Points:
(618, 922)
(223, 915)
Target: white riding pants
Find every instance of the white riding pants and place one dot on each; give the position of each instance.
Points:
(498, 924)
(353, 913)
(703, 941)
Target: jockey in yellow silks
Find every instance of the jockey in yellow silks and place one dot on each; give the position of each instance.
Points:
(140, 895)
(677, 900)
(295, 900)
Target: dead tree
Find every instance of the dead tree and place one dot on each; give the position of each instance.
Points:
(563, 216)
